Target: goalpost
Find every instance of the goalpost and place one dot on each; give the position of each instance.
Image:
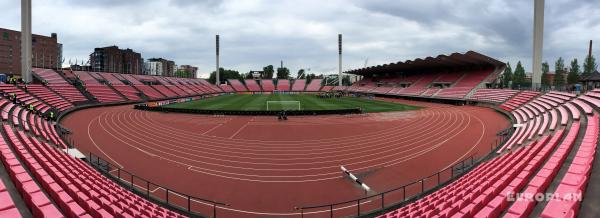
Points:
(283, 105)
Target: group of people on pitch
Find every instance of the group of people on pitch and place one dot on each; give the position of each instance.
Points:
(282, 115)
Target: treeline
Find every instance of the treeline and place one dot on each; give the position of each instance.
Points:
(268, 72)
(562, 77)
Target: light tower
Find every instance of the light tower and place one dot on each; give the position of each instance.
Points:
(538, 42)
(217, 80)
(340, 59)
(26, 40)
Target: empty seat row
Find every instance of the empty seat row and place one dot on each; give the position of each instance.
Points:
(493, 95)
(314, 85)
(252, 85)
(103, 93)
(43, 93)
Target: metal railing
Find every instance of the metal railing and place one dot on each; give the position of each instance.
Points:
(186, 204)
(399, 196)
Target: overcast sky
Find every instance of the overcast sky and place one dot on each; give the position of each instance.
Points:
(304, 33)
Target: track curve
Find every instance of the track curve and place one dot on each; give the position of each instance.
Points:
(289, 163)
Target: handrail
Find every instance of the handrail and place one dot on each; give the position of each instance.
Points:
(129, 180)
(456, 171)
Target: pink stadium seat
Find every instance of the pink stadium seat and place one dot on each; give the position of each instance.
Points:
(252, 85)
(283, 85)
(574, 111)
(314, 85)
(493, 95)
(583, 105)
(237, 85)
(572, 186)
(299, 85)
(554, 120)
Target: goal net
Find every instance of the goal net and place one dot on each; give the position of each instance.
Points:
(283, 105)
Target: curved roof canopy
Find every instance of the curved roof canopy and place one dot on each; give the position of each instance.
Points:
(454, 60)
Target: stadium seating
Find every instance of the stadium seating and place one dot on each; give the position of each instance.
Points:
(252, 85)
(54, 184)
(227, 88)
(327, 88)
(111, 78)
(430, 92)
(68, 74)
(314, 85)
(529, 169)
(43, 93)
(283, 85)
(129, 92)
(340, 88)
(24, 97)
(449, 77)
(299, 85)
(518, 100)
(381, 89)
(180, 92)
(237, 85)
(7, 205)
(149, 91)
(101, 92)
(418, 86)
(60, 85)
(267, 85)
(164, 90)
(464, 85)
(493, 95)
(49, 75)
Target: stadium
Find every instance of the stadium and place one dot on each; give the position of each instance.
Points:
(435, 136)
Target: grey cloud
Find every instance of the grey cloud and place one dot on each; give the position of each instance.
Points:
(258, 33)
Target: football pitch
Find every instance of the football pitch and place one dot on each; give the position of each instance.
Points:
(275, 102)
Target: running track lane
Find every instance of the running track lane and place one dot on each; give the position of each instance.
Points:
(270, 159)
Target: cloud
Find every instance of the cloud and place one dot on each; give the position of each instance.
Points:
(304, 34)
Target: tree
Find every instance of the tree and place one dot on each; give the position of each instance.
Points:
(559, 79)
(559, 65)
(519, 77)
(283, 73)
(301, 74)
(248, 75)
(545, 70)
(183, 74)
(310, 77)
(224, 75)
(573, 76)
(507, 75)
(589, 66)
(268, 72)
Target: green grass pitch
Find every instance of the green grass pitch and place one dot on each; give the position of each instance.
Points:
(258, 102)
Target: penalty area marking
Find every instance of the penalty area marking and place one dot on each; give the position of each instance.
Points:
(353, 177)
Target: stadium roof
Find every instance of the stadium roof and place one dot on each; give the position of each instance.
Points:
(454, 60)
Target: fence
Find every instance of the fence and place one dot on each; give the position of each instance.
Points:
(186, 204)
(395, 197)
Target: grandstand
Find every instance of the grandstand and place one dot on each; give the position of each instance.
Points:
(314, 85)
(252, 85)
(298, 85)
(283, 85)
(267, 85)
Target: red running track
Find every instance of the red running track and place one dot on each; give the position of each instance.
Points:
(262, 166)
